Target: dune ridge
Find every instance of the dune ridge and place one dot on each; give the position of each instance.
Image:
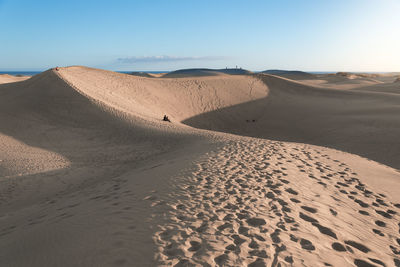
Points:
(117, 186)
(184, 73)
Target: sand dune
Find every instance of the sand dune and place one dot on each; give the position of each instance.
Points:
(191, 73)
(205, 72)
(151, 98)
(290, 74)
(6, 78)
(393, 88)
(345, 80)
(363, 123)
(55, 208)
(335, 81)
(91, 176)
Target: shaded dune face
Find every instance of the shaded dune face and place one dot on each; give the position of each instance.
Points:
(362, 123)
(92, 176)
(392, 88)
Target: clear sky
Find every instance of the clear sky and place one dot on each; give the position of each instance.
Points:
(311, 35)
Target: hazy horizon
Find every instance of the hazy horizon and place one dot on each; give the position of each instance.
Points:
(33, 72)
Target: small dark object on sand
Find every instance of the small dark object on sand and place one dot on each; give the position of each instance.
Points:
(166, 118)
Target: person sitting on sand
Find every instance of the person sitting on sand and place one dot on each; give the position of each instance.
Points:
(166, 118)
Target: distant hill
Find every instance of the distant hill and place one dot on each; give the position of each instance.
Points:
(205, 72)
(235, 71)
(290, 74)
(141, 74)
(351, 75)
(286, 72)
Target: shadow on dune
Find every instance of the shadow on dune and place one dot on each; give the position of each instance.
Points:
(45, 112)
(356, 122)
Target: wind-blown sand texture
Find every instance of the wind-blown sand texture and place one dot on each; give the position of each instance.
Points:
(91, 176)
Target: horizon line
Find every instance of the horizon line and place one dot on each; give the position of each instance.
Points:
(5, 71)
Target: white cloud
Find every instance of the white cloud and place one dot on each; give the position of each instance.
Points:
(145, 59)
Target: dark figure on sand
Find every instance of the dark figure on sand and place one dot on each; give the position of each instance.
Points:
(166, 118)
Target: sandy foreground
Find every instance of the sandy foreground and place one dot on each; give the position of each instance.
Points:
(250, 172)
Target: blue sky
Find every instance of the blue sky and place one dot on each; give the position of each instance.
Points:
(311, 35)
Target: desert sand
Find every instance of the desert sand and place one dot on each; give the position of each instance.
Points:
(6, 78)
(252, 170)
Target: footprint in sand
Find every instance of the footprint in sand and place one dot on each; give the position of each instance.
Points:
(363, 212)
(306, 244)
(309, 209)
(194, 246)
(380, 223)
(362, 263)
(338, 247)
(307, 218)
(325, 230)
(291, 191)
(357, 245)
(255, 222)
(221, 260)
(378, 232)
